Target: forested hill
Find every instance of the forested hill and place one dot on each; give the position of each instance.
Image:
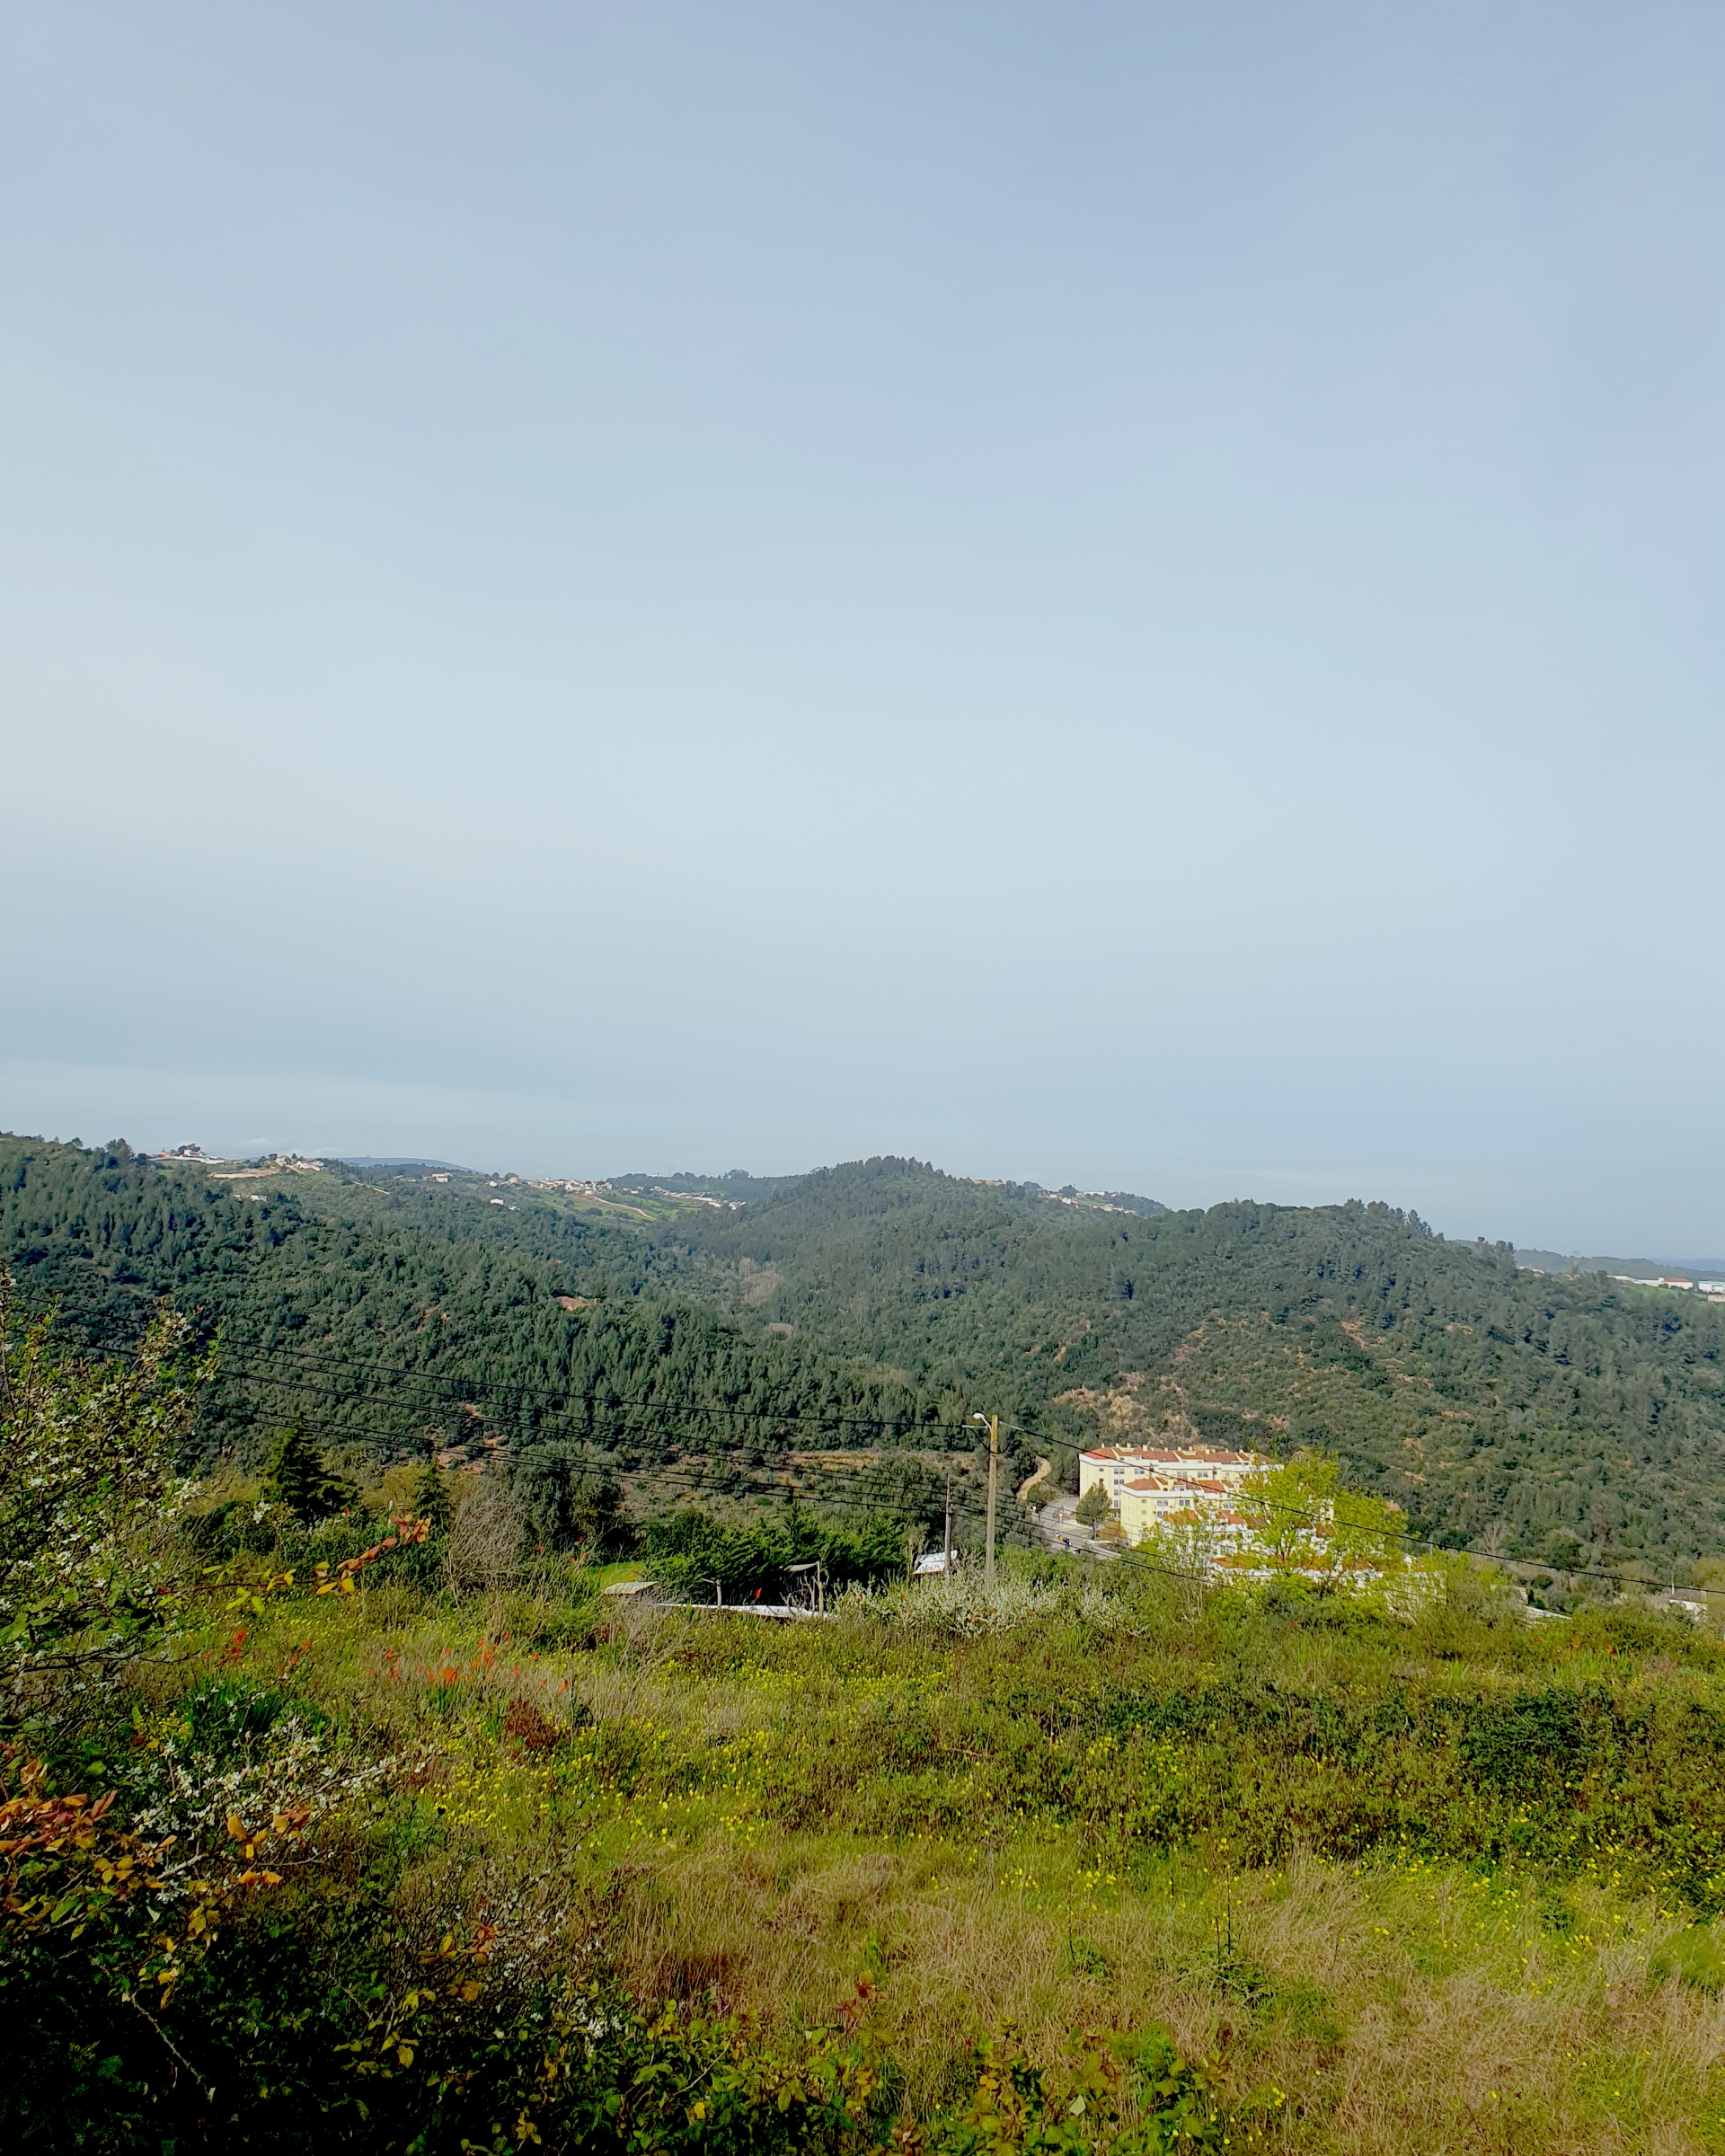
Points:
(390, 1317)
(1546, 1416)
(1538, 1412)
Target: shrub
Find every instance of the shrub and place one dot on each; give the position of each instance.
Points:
(690, 1551)
(87, 1485)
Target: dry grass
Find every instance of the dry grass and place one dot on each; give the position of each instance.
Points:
(1419, 2008)
(1392, 2013)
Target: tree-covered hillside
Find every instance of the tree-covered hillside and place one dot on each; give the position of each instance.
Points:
(1544, 1417)
(1547, 1414)
(393, 1317)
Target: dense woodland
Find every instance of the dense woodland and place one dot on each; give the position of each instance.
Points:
(883, 1302)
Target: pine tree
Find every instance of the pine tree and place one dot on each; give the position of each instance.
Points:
(1094, 1508)
(300, 1479)
(430, 1498)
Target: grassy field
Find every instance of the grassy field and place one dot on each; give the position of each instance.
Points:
(1385, 1888)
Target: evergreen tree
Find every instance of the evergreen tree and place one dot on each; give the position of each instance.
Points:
(299, 1478)
(1094, 1508)
(430, 1499)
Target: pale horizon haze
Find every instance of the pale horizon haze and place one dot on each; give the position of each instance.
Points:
(1128, 596)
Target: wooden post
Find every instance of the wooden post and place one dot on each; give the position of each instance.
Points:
(994, 1483)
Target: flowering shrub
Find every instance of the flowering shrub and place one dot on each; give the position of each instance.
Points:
(342, 1577)
(235, 1753)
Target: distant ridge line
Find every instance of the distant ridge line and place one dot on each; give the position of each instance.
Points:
(1556, 1261)
(396, 1160)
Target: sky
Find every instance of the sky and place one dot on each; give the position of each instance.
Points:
(1125, 595)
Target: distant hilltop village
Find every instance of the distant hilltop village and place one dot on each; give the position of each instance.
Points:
(615, 1194)
(574, 1188)
(1714, 1290)
(224, 1169)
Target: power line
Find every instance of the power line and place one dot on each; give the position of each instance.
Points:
(850, 1492)
(568, 1399)
(697, 1484)
(561, 1398)
(1131, 1557)
(902, 1426)
(661, 1408)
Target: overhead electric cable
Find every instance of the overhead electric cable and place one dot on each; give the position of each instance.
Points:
(664, 1407)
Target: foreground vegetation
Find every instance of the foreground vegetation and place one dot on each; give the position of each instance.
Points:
(408, 1836)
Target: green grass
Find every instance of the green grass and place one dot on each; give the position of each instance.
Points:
(1435, 1888)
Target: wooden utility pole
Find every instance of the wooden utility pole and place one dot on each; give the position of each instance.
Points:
(946, 1542)
(994, 1481)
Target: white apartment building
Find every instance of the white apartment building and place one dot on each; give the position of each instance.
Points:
(1150, 1503)
(1155, 1485)
(1115, 1465)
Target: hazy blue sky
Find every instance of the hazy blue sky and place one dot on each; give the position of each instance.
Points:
(1121, 593)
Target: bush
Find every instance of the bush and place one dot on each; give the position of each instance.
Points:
(690, 1551)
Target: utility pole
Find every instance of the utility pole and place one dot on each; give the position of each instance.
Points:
(993, 1422)
(994, 1480)
(946, 1544)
